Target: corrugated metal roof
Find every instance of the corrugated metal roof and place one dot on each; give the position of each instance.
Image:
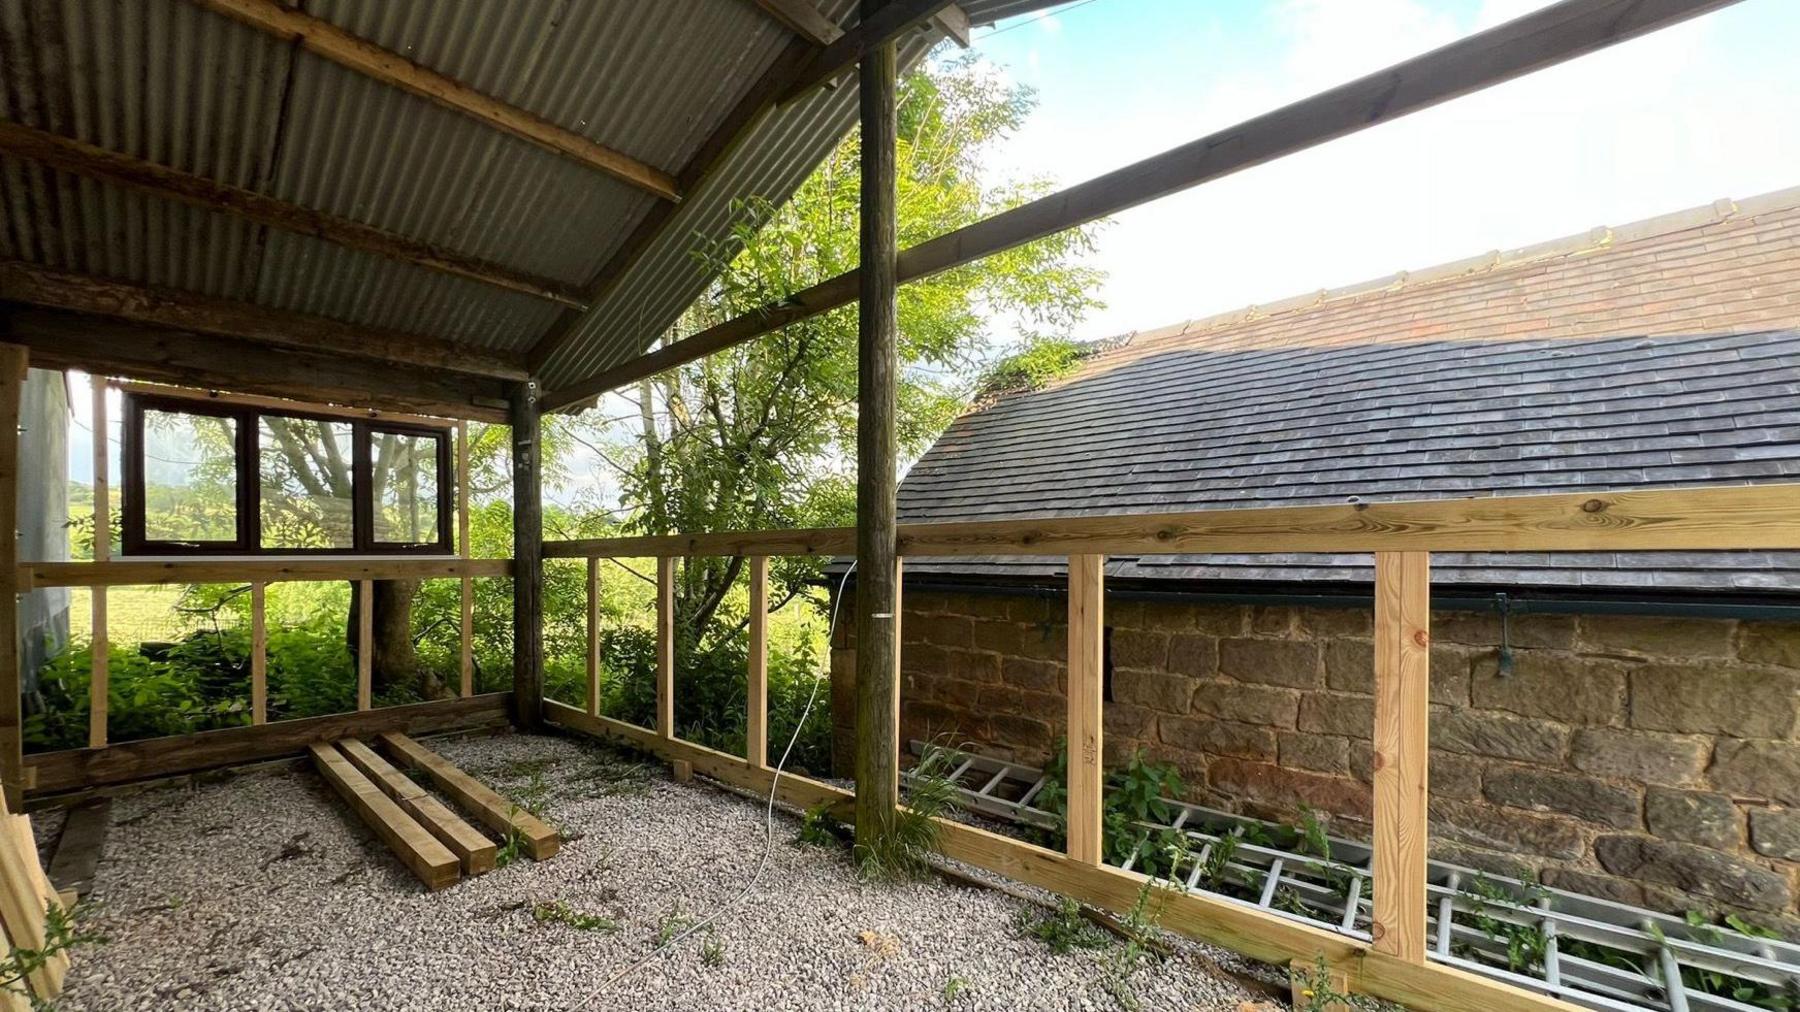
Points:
(166, 81)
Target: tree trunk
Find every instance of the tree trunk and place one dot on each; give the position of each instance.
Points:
(396, 662)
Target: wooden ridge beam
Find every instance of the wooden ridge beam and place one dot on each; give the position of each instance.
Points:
(108, 346)
(373, 61)
(870, 34)
(93, 162)
(170, 307)
(1541, 39)
(817, 541)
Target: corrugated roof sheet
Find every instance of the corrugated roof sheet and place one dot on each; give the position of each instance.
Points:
(1435, 385)
(166, 81)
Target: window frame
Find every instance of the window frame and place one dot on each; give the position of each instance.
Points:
(248, 471)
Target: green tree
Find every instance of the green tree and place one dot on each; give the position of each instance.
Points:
(762, 435)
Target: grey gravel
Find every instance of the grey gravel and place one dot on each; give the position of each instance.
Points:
(262, 891)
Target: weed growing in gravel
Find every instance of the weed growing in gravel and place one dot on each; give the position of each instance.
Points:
(513, 846)
(62, 932)
(1064, 930)
(1315, 988)
(820, 828)
(954, 987)
(673, 923)
(1140, 926)
(560, 912)
(901, 850)
(712, 951)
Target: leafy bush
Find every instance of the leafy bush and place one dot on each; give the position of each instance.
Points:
(1134, 794)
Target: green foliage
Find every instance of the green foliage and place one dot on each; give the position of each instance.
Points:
(1041, 361)
(901, 849)
(954, 987)
(820, 828)
(712, 951)
(559, 912)
(1135, 793)
(1315, 992)
(1064, 929)
(63, 931)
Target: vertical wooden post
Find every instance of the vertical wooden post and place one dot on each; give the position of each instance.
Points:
(1402, 696)
(877, 579)
(259, 655)
(756, 713)
(1087, 644)
(528, 559)
(593, 637)
(99, 668)
(13, 363)
(466, 642)
(665, 647)
(365, 644)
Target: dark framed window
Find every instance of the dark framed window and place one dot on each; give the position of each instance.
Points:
(208, 477)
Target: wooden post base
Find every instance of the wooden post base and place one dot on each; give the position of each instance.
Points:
(683, 770)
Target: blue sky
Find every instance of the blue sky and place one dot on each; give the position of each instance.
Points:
(1700, 111)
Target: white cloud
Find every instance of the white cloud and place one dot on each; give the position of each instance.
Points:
(1661, 123)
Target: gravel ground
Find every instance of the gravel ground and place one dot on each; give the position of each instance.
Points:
(262, 891)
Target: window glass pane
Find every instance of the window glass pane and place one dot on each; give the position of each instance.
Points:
(406, 487)
(306, 483)
(190, 477)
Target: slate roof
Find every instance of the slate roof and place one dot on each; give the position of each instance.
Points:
(1661, 354)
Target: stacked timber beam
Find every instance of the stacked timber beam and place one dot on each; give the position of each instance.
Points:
(433, 842)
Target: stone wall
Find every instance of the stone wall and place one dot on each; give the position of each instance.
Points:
(1654, 761)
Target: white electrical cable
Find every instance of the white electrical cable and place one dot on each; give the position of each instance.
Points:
(768, 823)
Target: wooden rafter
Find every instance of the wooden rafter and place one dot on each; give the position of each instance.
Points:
(169, 307)
(384, 65)
(108, 345)
(80, 158)
(1541, 39)
(795, 61)
(873, 32)
(725, 137)
(803, 19)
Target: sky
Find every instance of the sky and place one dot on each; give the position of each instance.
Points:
(1673, 120)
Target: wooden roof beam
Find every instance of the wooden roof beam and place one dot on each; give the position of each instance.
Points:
(384, 65)
(803, 19)
(730, 132)
(168, 307)
(113, 347)
(880, 28)
(1546, 37)
(83, 159)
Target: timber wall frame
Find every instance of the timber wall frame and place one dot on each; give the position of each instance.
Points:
(104, 764)
(1399, 535)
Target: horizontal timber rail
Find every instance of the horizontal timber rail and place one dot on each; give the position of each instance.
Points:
(1392, 959)
(1255, 933)
(1762, 517)
(237, 569)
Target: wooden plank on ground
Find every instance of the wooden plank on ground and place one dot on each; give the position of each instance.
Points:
(412, 843)
(81, 845)
(152, 758)
(477, 798)
(476, 852)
